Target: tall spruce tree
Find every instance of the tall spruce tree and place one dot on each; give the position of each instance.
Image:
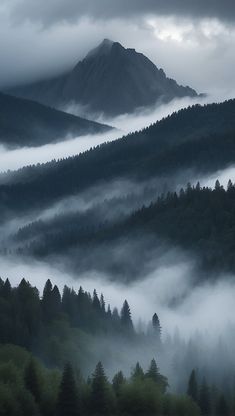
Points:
(156, 327)
(55, 302)
(100, 392)
(46, 300)
(138, 372)
(96, 302)
(192, 390)
(7, 289)
(153, 371)
(68, 396)
(126, 320)
(154, 374)
(118, 381)
(102, 303)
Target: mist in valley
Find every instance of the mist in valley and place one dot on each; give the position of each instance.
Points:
(195, 316)
(194, 309)
(117, 248)
(124, 124)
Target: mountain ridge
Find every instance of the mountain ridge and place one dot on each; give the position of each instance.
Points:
(110, 80)
(197, 137)
(27, 123)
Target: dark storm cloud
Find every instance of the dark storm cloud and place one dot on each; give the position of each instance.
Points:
(44, 38)
(54, 11)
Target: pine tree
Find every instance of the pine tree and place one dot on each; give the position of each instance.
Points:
(31, 380)
(96, 302)
(46, 300)
(6, 290)
(100, 394)
(118, 381)
(222, 407)
(138, 372)
(230, 185)
(126, 320)
(154, 374)
(102, 303)
(69, 304)
(55, 302)
(153, 371)
(192, 386)
(204, 399)
(156, 327)
(68, 397)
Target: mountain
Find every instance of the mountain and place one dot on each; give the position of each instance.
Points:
(199, 136)
(93, 224)
(111, 80)
(198, 139)
(27, 123)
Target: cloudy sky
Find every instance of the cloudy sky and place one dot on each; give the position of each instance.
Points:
(193, 41)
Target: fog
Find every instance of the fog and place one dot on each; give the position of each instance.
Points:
(194, 311)
(15, 159)
(171, 290)
(196, 319)
(194, 44)
(223, 176)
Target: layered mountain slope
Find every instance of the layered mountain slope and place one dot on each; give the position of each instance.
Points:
(199, 220)
(198, 138)
(110, 80)
(27, 123)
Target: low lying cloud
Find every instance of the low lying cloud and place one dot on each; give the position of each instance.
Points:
(124, 124)
(17, 158)
(222, 175)
(170, 290)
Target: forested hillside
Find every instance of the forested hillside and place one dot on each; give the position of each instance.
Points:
(27, 123)
(200, 139)
(53, 380)
(199, 220)
(58, 328)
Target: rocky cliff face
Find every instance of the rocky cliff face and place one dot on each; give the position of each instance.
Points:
(111, 80)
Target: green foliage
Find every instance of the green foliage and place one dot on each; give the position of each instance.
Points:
(58, 328)
(18, 387)
(68, 396)
(154, 374)
(140, 397)
(32, 381)
(117, 382)
(138, 372)
(27, 388)
(102, 398)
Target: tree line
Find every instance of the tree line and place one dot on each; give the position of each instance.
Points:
(201, 220)
(211, 401)
(55, 325)
(28, 388)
